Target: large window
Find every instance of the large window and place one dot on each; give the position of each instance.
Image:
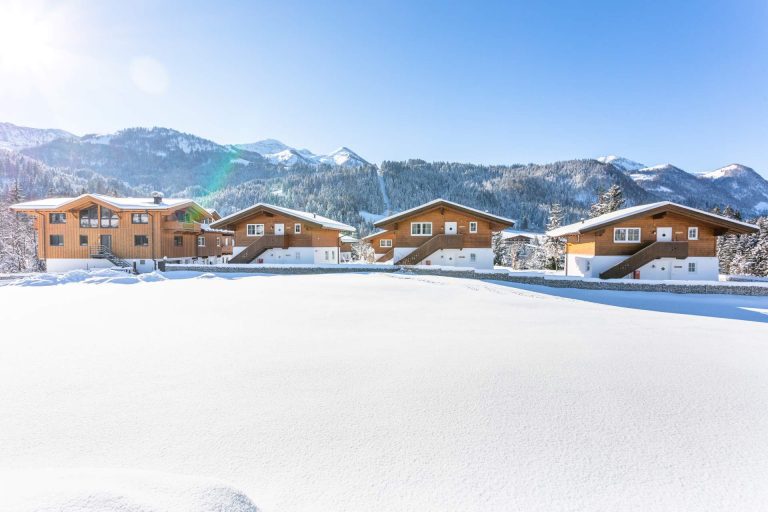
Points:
(83, 239)
(178, 241)
(201, 241)
(89, 218)
(57, 218)
(139, 218)
(254, 229)
(421, 228)
(109, 218)
(57, 240)
(182, 216)
(693, 233)
(140, 240)
(385, 243)
(626, 235)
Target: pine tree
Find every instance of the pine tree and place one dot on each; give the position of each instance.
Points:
(554, 247)
(499, 249)
(608, 201)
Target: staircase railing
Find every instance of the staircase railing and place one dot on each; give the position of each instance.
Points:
(645, 255)
(105, 252)
(430, 246)
(258, 246)
(386, 256)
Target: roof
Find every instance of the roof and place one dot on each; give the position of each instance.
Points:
(443, 202)
(209, 229)
(122, 203)
(648, 209)
(346, 239)
(375, 234)
(310, 218)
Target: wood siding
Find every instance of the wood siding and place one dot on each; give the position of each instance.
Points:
(600, 243)
(160, 231)
(401, 231)
(310, 236)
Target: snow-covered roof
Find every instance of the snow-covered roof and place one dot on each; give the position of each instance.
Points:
(633, 211)
(124, 203)
(346, 239)
(312, 218)
(445, 202)
(208, 228)
(375, 234)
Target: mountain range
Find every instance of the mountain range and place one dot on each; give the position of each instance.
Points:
(343, 184)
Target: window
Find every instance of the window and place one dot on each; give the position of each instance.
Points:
(139, 218)
(226, 241)
(57, 240)
(201, 241)
(472, 257)
(140, 240)
(254, 229)
(89, 218)
(178, 241)
(83, 239)
(109, 218)
(218, 241)
(182, 216)
(57, 218)
(626, 235)
(298, 256)
(326, 256)
(297, 228)
(693, 233)
(421, 228)
(385, 243)
(473, 227)
(692, 266)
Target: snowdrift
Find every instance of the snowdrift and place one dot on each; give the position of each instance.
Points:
(100, 490)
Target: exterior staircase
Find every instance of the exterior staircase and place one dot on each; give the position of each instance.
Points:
(258, 246)
(105, 253)
(645, 255)
(386, 256)
(431, 245)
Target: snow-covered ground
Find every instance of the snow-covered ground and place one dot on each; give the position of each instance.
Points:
(352, 392)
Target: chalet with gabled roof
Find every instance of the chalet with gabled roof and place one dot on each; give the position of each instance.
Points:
(439, 232)
(661, 240)
(265, 233)
(98, 231)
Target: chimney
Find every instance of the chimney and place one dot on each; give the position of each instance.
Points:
(158, 197)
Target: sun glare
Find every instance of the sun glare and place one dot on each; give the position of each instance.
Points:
(27, 38)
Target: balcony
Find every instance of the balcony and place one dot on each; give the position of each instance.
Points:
(182, 227)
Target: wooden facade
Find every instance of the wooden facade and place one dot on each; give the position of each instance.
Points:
(77, 228)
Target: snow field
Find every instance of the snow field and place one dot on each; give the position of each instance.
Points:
(351, 392)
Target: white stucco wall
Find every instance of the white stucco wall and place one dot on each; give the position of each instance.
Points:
(298, 255)
(660, 269)
(67, 264)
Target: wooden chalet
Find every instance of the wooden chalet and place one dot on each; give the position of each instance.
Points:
(99, 231)
(439, 232)
(661, 240)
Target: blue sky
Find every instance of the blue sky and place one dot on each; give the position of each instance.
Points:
(491, 82)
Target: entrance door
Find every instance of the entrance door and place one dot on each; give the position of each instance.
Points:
(279, 229)
(106, 241)
(663, 234)
(450, 228)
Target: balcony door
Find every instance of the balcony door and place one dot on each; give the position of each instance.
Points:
(106, 241)
(450, 228)
(663, 234)
(279, 229)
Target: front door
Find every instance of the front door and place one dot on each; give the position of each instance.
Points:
(279, 229)
(106, 241)
(663, 234)
(450, 228)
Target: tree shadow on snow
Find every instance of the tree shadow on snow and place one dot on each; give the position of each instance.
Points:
(734, 307)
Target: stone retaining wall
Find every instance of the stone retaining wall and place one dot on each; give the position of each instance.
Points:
(637, 286)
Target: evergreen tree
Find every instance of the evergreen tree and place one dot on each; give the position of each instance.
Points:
(608, 201)
(554, 247)
(499, 249)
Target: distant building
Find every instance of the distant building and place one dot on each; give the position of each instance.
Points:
(97, 231)
(652, 241)
(345, 248)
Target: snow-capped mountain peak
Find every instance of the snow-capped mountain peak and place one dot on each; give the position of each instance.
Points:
(282, 154)
(622, 163)
(729, 171)
(16, 138)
